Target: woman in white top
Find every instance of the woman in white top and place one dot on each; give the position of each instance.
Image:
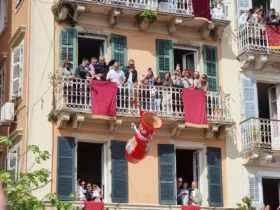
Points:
(196, 197)
(96, 192)
(65, 70)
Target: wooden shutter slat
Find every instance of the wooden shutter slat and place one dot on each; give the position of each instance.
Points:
(214, 177)
(119, 172)
(211, 67)
(66, 167)
(164, 56)
(250, 98)
(166, 174)
(68, 46)
(119, 49)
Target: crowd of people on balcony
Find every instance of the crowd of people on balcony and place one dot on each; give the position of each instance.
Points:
(155, 98)
(258, 16)
(99, 70)
(188, 195)
(88, 191)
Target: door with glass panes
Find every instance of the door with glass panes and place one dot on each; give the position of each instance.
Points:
(274, 106)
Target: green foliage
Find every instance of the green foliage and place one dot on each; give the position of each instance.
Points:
(246, 204)
(149, 14)
(19, 193)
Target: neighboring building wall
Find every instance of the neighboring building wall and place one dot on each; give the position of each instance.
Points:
(41, 64)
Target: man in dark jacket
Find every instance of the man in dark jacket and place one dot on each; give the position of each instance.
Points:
(83, 70)
(130, 72)
(102, 68)
(271, 19)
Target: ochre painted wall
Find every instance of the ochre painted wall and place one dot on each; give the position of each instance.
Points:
(142, 177)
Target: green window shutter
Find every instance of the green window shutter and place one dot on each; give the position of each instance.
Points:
(68, 46)
(164, 56)
(119, 172)
(166, 174)
(211, 67)
(119, 49)
(215, 189)
(66, 167)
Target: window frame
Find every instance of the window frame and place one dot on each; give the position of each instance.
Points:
(3, 15)
(19, 47)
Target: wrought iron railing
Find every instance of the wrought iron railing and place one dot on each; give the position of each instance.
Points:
(259, 133)
(74, 95)
(182, 7)
(252, 38)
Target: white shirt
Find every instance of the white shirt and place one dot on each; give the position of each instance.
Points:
(129, 81)
(96, 193)
(116, 76)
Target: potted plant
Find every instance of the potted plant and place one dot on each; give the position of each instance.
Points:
(255, 135)
(145, 18)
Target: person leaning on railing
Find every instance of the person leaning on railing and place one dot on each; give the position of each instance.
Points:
(202, 84)
(65, 70)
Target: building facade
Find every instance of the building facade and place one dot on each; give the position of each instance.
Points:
(225, 159)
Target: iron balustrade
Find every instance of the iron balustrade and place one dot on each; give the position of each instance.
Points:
(181, 7)
(259, 133)
(74, 95)
(251, 37)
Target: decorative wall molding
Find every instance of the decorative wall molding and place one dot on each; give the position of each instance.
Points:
(177, 127)
(189, 43)
(17, 37)
(63, 118)
(217, 32)
(174, 23)
(205, 30)
(63, 13)
(260, 62)
(79, 9)
(187, 144)
(114, 125)
(113, 16)
(78, 119)
(87, 30)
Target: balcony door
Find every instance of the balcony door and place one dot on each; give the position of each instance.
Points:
(274, 106)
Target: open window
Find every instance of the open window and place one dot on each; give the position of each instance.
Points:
(91, 46)
(187, 58)
(188, 165)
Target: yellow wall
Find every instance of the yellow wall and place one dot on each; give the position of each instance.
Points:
(142, 177)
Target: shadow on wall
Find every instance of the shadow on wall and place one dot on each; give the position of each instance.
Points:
(232, 143)
(229, 40)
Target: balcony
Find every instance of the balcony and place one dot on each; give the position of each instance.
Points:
(73, 99)
(260, 140)
(172, 13)
(253, 47)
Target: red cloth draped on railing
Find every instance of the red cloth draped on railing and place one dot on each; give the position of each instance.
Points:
(195, 108)
(103, 99)
(273, 36)
(201, 8)
(190, 207)
(91, 205)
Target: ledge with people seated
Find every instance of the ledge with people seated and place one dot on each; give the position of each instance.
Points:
(258, 39)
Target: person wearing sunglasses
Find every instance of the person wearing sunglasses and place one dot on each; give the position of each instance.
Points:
(179, 188)
(65, 70)
(202, 84)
